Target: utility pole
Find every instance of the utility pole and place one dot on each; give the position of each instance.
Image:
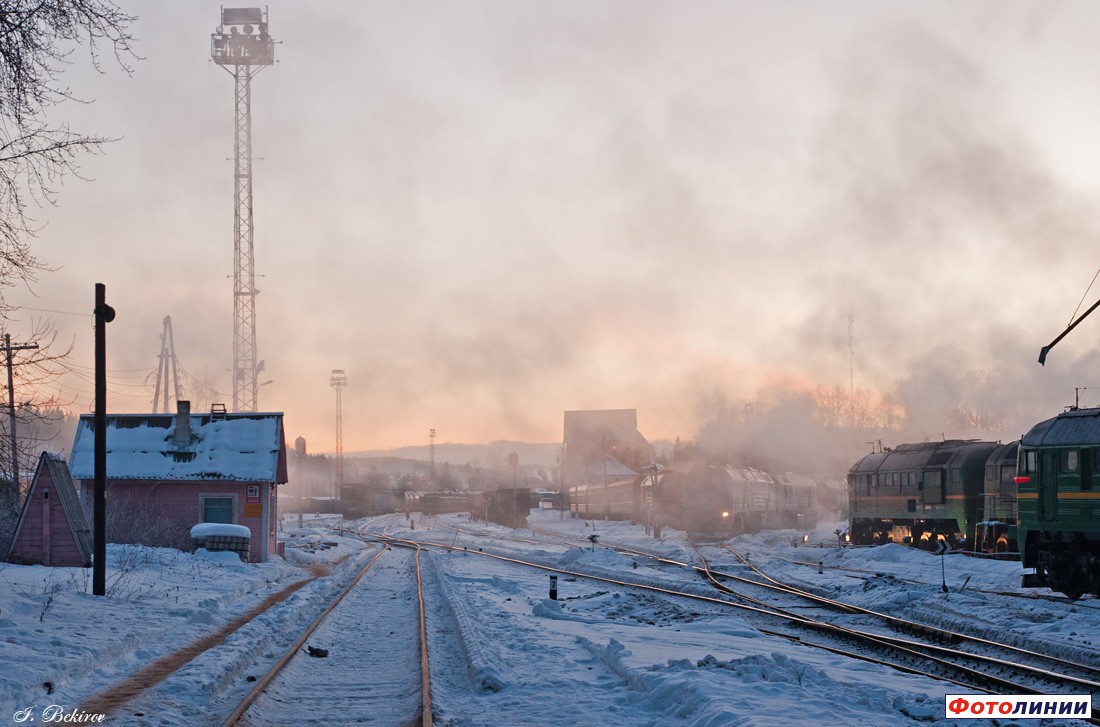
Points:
(166, 362)
(8, 348)
(243, 47)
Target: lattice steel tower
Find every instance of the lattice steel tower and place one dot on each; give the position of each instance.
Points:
(242, 46)
(167, 369)
(338, 381)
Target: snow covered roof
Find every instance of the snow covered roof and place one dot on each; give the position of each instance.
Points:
(1074, 427)
(614, 468)
(239, 446)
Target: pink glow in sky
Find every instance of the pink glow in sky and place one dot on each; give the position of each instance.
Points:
(490, 212)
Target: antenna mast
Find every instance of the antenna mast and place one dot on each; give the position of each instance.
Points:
(242, 46)
(166, 362)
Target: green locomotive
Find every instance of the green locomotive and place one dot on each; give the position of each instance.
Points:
(919, 494)
(1058, 483)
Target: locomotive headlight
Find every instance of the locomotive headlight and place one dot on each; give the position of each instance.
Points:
(725, 513)
(847, 537)
(806, 538)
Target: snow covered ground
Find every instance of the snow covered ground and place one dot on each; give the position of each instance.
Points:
(503, 652)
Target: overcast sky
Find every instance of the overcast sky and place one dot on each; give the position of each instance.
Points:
(487, 213)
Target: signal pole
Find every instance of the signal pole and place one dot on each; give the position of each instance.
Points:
(242, 46)
(104, 314)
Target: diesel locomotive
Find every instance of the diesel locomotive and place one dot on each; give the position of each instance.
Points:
(1037, 498)
(709, 500)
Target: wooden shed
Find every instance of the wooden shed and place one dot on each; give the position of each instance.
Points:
(169, 472)
(52, 529)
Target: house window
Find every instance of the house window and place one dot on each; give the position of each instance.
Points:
(219, 508)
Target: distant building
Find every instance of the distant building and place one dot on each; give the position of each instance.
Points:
(603, 445)
(166, 473)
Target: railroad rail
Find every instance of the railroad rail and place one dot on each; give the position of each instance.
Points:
(235, 647)
(304, 694)
(945, 659)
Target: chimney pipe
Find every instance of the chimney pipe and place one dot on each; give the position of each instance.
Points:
(182, 435)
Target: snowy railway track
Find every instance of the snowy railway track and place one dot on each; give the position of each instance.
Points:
(1085, 675)
(945, 663)
(972, 669)
(370, 662)
(298, 689)
(1074, 675)
(1037, 670)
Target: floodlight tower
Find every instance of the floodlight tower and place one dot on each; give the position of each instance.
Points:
(338, 381)
(431, 449)
(242, 46)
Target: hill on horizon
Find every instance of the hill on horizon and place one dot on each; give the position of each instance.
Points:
(545, 455)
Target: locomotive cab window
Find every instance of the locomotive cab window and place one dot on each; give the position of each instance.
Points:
(1067, 461)
(1029, 463)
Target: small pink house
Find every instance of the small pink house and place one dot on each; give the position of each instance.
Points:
(167, 473)
(52, 529)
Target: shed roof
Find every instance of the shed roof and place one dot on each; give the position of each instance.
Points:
(238, 447)
(51, 470)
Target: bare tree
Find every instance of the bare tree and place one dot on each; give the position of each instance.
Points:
(37, 38)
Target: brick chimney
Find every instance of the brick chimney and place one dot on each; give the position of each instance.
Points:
(182, 435)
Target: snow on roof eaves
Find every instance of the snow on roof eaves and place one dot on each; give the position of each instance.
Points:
(1074, 427)
(238, 448)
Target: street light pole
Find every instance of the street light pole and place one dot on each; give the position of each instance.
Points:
(606, 490)
(513, 459)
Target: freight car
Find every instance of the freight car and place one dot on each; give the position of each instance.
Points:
(1059, 502)
(507, 506)
(359, 500)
